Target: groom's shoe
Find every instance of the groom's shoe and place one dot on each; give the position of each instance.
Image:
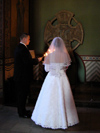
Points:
(25, 116)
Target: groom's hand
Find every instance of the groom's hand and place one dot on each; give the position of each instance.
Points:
(40, 59)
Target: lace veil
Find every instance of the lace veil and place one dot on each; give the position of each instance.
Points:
(57, 53)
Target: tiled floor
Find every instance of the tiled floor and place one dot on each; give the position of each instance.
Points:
(11, 123)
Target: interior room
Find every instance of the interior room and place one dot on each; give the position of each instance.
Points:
(77, 23)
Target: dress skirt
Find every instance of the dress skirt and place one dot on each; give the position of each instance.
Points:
(55, 106)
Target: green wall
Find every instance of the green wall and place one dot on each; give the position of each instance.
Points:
(86, 12)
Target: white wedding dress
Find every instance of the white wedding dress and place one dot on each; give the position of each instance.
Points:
(55, 107)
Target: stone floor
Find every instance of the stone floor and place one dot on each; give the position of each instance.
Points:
(87, 99)
(11, 123)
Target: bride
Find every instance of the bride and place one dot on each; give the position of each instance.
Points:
(55, 107)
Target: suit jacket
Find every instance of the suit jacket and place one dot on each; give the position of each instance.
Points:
(23, 64)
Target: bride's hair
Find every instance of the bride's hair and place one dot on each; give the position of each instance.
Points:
(57, 41)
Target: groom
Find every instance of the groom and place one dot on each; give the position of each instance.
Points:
(23, 73)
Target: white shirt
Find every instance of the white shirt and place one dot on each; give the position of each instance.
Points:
(23, 44)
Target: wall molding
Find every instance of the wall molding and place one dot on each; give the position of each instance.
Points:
(90, 57)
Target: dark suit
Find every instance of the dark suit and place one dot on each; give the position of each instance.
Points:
(23, 75)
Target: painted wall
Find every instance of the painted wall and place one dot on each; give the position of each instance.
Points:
(86, 12)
